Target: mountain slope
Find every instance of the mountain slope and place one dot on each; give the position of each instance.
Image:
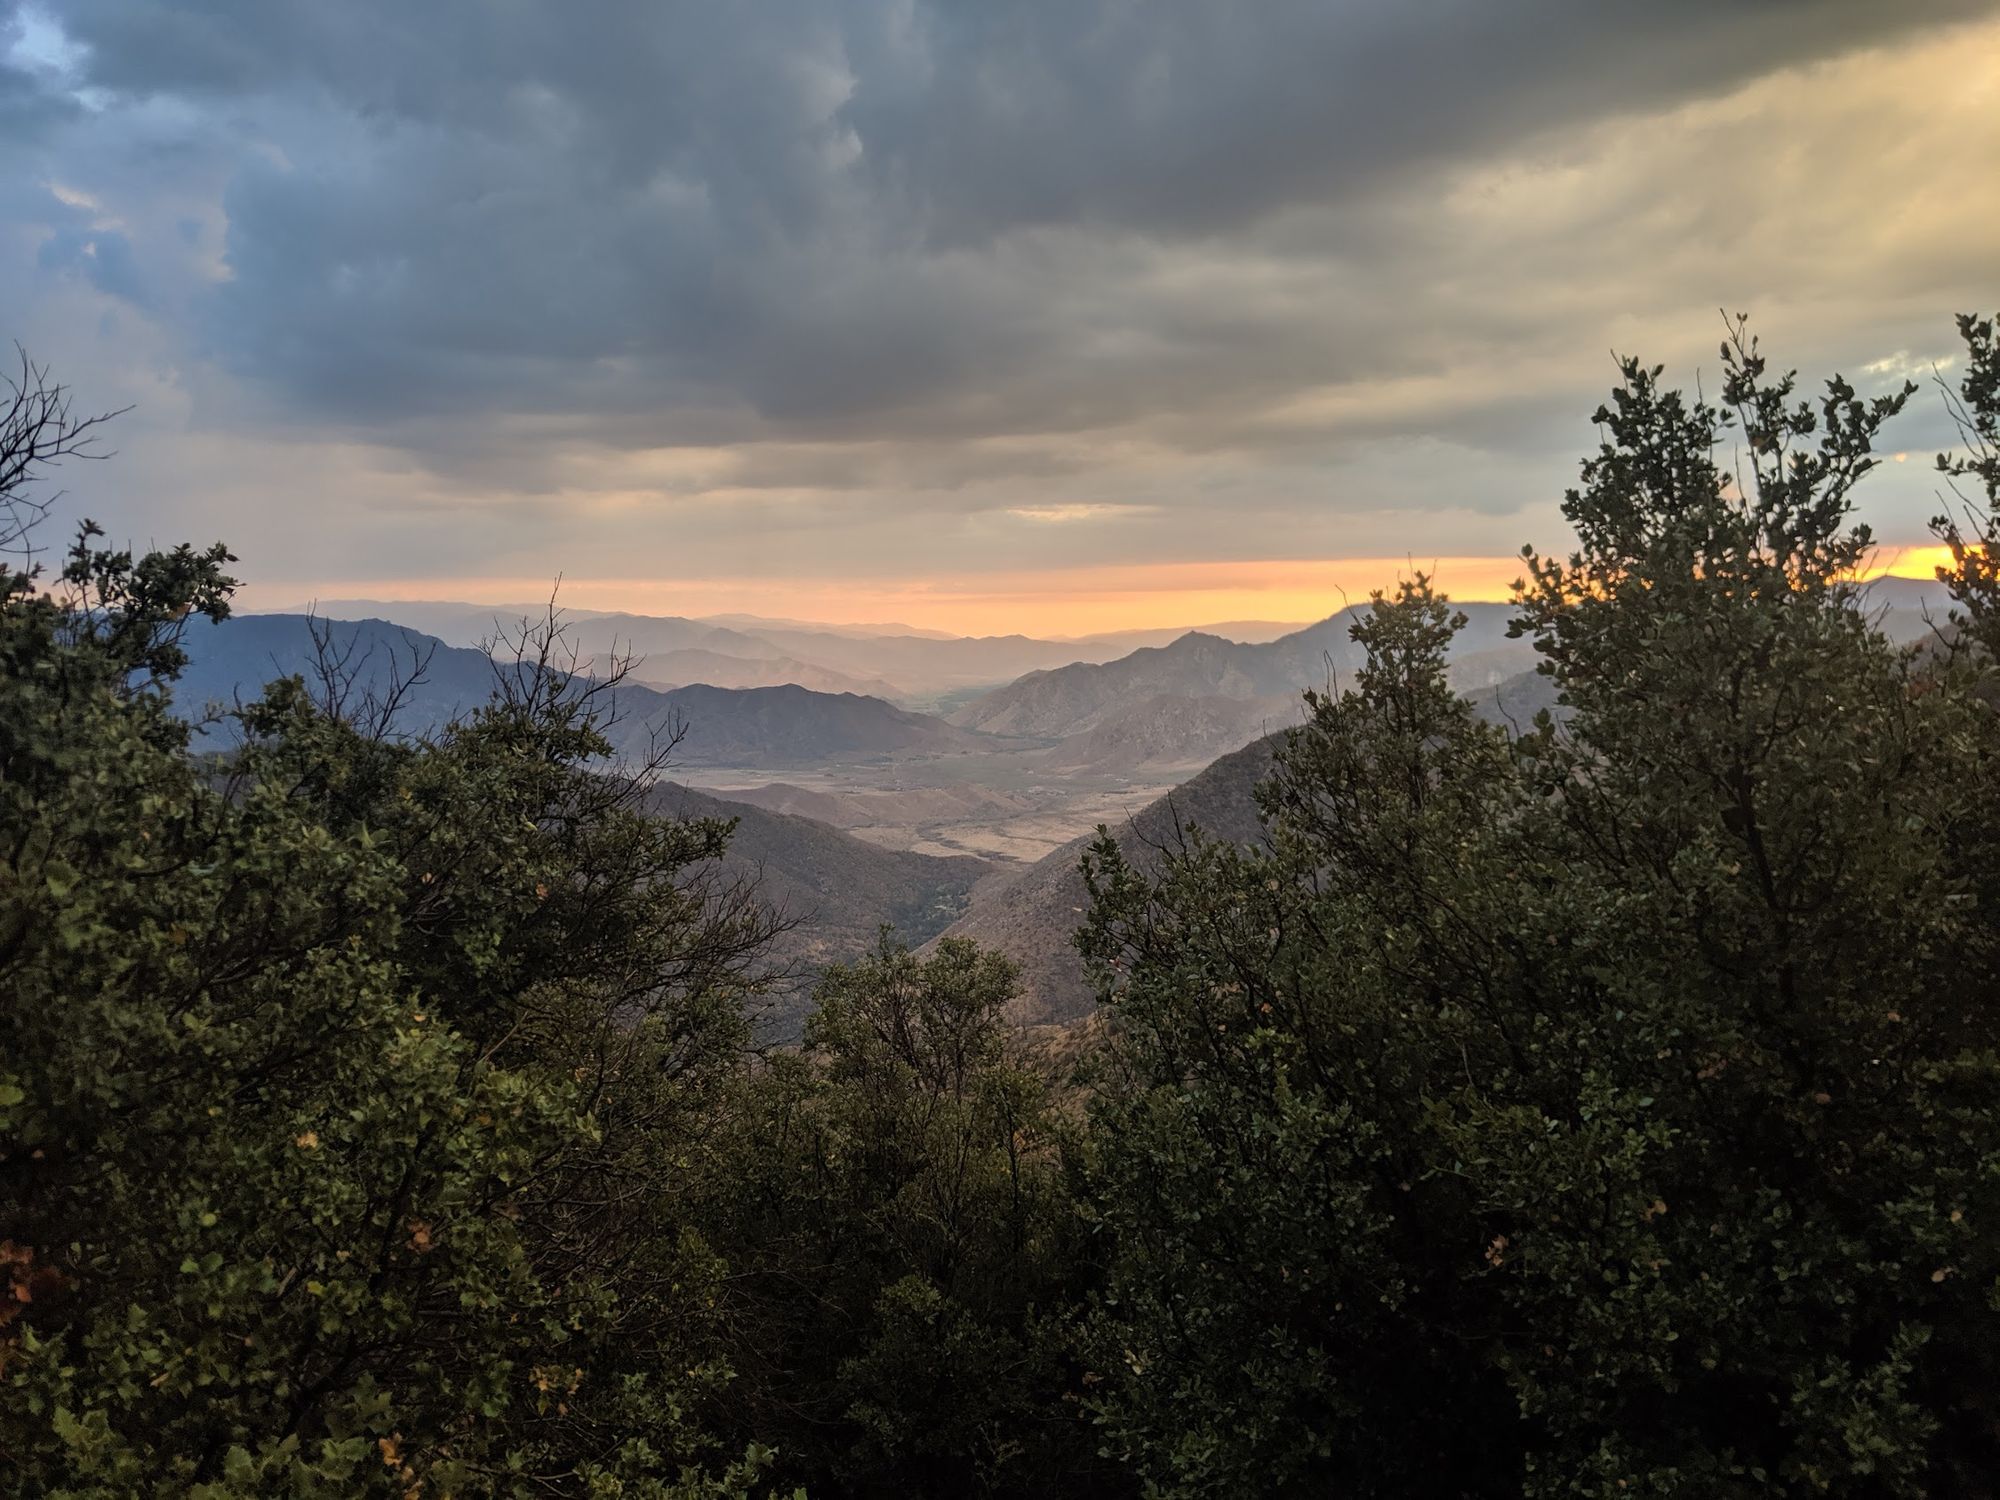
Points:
(838, 888)
(1031, 917)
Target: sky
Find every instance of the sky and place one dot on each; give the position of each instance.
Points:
(1050, 315)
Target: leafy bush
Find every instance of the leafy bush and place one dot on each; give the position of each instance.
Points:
(904, 1242)
(350, 1085)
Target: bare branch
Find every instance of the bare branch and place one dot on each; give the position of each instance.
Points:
(39, 428)
(344, 689)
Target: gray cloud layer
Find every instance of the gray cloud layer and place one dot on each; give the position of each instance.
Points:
(931, 255)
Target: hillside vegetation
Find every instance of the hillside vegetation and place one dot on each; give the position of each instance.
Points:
(1600, 1103)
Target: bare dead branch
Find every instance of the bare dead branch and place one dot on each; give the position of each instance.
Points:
(40, 427)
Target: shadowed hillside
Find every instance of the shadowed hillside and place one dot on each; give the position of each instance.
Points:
(836, 889)
(1031, 917)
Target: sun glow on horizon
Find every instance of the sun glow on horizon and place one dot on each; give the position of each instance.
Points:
(1056, 602)
(1053, 602)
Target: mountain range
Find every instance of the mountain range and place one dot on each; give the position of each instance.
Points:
(1180, 705)
(1091, 707)
(756, 726)
(913, 668)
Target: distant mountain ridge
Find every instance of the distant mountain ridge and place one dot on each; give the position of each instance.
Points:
(928, 663)
(918, 665)
(1170, 705)
(1158, 710)
(592, 632)
(775, 726)
(1247, 631)
(1076, 698)
(697, 666)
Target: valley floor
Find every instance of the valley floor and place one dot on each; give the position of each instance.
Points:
(992, 806)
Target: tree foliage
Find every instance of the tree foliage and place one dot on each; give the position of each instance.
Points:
(903, 1241)
(1612, 1112)
(350, 1087)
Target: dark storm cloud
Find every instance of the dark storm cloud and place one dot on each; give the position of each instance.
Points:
(1194, 117)
(103, 258)
(927, 219)
(29, 111)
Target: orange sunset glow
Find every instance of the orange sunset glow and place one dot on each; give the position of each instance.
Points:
(1059, 601)
(1062, 602)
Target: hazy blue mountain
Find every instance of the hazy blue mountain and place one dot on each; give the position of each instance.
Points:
(1078, 698)
(593, 632)
(785, 725)
(231, 662)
